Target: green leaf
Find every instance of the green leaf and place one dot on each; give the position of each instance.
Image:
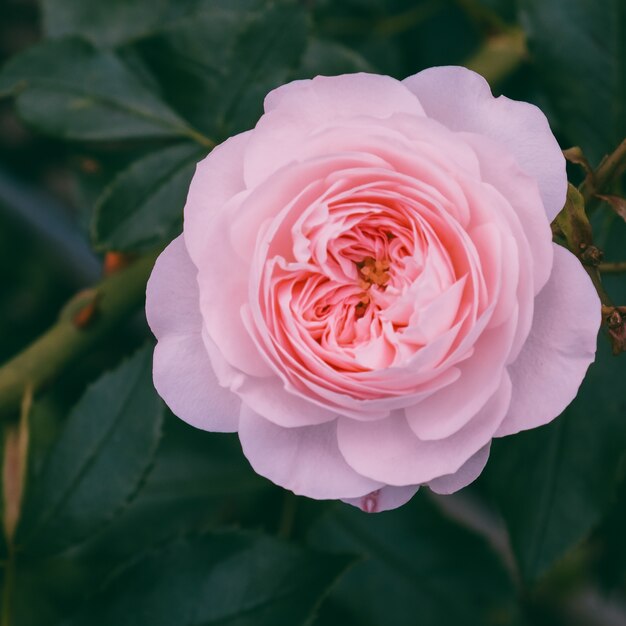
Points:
(120, 21)
(264, 55)
(330, 58)
(99, 460)
(230, 579)
(554, 483)
(72, 90)
(143, 206)
(420, 568)
(583, 67)
(217, 67)
(196, 476)
(104, 23)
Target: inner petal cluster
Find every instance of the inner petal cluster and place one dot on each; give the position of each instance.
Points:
(372, 275)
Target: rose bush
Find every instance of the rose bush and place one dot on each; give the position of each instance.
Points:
(366, 288)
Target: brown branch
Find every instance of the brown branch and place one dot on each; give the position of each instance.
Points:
(610, 167)
(612, 268)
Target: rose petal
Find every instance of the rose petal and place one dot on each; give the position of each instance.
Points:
(383, 499)
(218, 178)
(295, 110)
(223, 285)
(182, 372)
(559, 349)
(389, 451)
(327, 98)
(462, 100)
(499, 169)
(305, 460)
(449, 410)
(467, 474)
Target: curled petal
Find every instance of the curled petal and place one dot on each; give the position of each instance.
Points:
(383, 499)
(218, 178)
(462, 101)
(389, 451)
(465, 475)
(305, 460)
(560, 347)
(182, 372)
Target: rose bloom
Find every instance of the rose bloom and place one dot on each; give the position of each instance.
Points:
(366, 288)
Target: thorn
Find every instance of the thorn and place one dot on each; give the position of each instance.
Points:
(116, 261)
(87, 314)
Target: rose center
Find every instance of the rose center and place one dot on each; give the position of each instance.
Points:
(371, 272)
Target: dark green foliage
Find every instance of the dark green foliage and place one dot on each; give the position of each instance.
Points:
(142, 207)
(570, 470)
(69, 89)
(232, 579)
(418, 566)
(98, 460)
(583, 68)
(133, 517)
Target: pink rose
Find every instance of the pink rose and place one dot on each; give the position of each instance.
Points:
(366, 288)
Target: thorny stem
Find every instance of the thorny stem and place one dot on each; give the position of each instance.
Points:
(595, 183)
(74, 334)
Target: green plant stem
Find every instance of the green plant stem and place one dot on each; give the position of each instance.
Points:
(113, 300)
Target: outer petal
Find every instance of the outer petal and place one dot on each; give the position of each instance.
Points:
(295, 110)
(182, 373)
(467, 474)
(305, 460)
(462, 100)
(449, 410)
(383, 499)
(389, 451)
(217, 179)
(499, 169)
(561, 346)
(326, 98)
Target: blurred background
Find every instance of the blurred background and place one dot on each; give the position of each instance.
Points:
(144, 520)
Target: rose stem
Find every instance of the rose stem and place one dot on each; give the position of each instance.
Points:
(110, 302)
